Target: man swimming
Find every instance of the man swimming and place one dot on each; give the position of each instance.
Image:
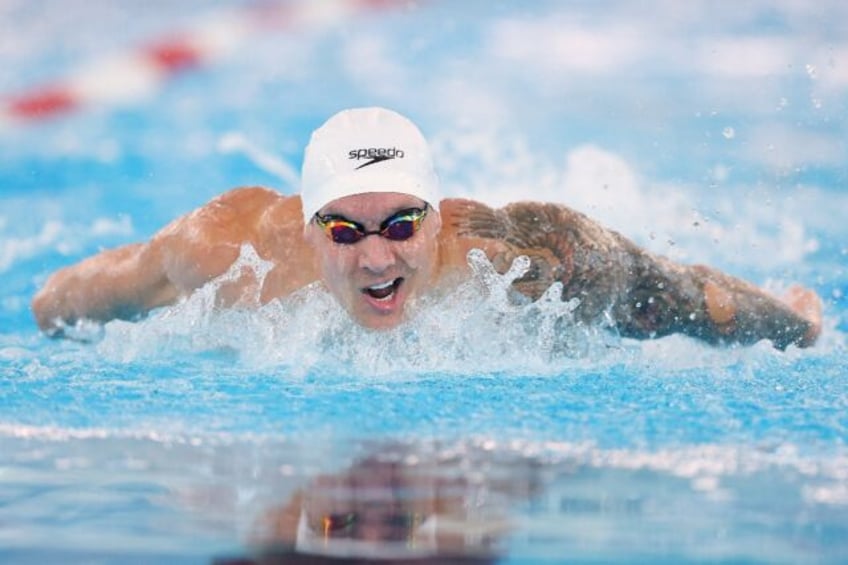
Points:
(369, 225)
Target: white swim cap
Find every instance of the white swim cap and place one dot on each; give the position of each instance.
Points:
(366, 150)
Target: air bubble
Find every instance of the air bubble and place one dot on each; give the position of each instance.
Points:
(811, 71)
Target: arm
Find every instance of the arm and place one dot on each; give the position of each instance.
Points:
(117, 283)
(130, 281)
(704, 303)
(647, 296)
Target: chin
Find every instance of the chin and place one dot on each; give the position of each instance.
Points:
(378, 323)
(380, 315)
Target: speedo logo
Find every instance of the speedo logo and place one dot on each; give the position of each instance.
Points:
(375, 155)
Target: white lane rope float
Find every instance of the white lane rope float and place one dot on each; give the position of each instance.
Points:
(235, 142)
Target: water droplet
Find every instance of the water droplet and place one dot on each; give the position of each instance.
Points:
(811, 71)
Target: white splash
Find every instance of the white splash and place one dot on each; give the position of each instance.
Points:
(480, 326)
(728, 226)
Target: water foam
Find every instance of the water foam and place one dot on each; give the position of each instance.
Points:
(482, 325)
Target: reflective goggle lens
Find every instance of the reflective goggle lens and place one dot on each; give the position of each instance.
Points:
(398, 227)
(342, 231)
(395, 526)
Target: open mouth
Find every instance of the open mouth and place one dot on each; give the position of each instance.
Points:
(383, 291)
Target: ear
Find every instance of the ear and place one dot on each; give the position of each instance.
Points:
(436, 219)
(310, 233)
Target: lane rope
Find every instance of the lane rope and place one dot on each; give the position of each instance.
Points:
(128, 77)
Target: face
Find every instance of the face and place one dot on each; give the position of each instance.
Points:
(375, 501)
(375, 277)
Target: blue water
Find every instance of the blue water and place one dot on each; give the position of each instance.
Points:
(701, 132)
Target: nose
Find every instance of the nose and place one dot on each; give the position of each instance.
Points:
(374, 525)
(375, 254)
(372, 532)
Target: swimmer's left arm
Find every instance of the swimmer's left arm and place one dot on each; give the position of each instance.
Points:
(646, 296)
(702, 302)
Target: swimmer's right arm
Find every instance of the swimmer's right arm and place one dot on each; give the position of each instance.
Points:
(118, 283)
(128, 282)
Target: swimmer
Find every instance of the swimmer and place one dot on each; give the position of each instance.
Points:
(370, 226)
(396, 504)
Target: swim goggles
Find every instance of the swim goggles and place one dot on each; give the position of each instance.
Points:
(398, 227)
(409, 535)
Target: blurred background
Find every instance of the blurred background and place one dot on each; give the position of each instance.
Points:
(711, 132)
(706, 132)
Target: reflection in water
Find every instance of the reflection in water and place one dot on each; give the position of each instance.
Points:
(180, 499)
(472, 503)
(397, 505)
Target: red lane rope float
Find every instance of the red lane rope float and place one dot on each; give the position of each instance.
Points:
(40, 103)
(175, 55)
(124, 77)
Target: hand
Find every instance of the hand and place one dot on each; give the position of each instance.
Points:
(807, 304)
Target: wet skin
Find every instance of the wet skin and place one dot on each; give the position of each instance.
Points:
(375, 279)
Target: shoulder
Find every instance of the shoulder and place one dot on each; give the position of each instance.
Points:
(234, 212)
(240, 204)
(528, 228)
(521, 222)
(204, 243)
(254, 210)
(558, 240)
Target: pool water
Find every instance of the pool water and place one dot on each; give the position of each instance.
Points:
(705, 134)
